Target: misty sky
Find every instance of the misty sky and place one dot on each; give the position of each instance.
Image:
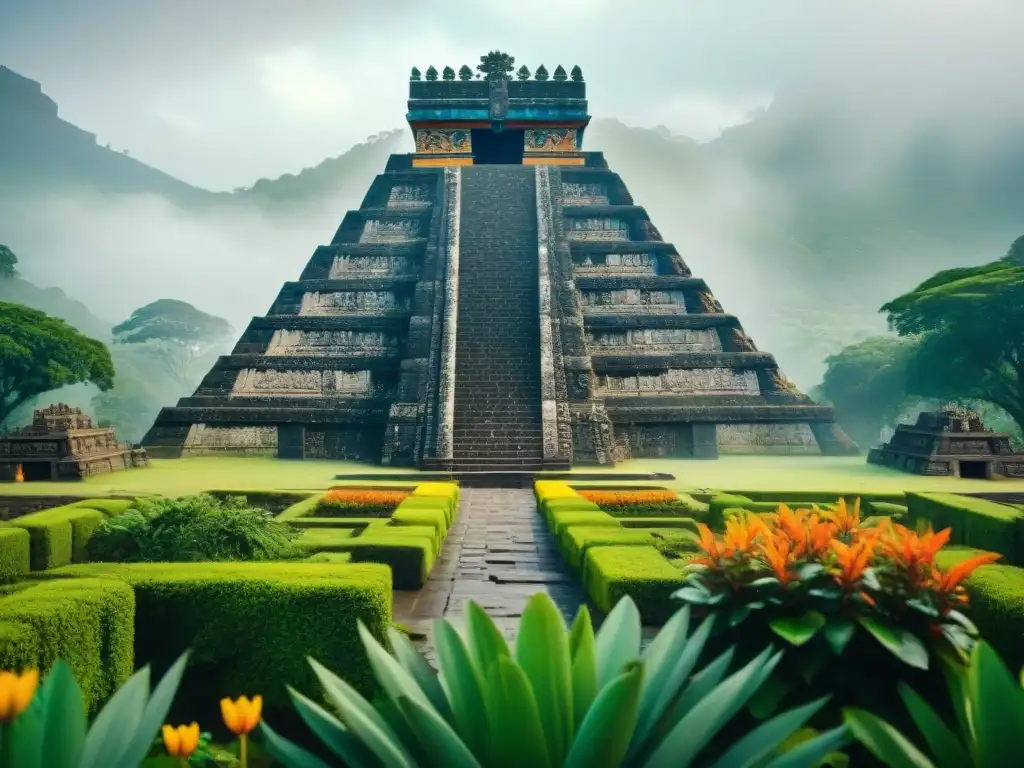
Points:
(222, 92)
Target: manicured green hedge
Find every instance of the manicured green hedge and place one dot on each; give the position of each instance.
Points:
(338, 522)
(435, 517)
(562, 519)
(577, 539)
(109, 507)
(251, 625)
(15, 561)
(300, 508)
(89, 623)
(330, 557)
(996, 604)
(822, 497)
(60, 535)
(975, 522)
(410, 551)
(884, 509)
(551, 507)
(721, 502)
(643, 573)
(274, 501)
(659, 522)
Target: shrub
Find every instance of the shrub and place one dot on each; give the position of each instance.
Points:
(638, 572)
(89, 623)
(409, 551)
(272, 501)
(577, 539)
(820, 581)
(251, 625)
(14, 553)
(109, 507)
(192, 529)
(361, 502)
(974, 522)
(59, 535)
(559, 698)
(637, 503)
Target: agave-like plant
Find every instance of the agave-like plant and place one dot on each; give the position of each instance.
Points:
(54, 732)
(563, 698)
(988, 706)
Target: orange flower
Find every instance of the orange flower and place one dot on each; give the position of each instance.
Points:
(630, 498)
(810, 536)
(948, 584)
(844, 520)
(16, 693)
(779, 554)
(369, 497)
(241, 715)
(913, 552)
(740, 538)
(853, 560)
(181, 741)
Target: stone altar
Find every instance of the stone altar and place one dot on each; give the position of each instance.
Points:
(61, 443)
(951, 442)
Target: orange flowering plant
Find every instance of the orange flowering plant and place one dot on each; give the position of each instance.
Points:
(819, 577)
(368, 502)
(636, 501)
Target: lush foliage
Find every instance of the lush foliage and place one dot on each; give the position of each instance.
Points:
(988, 706)
(39, 353)
(192, 529)
(8, 263)
(818, 579)
(962, 349)
(652, 502)
(368, 502)
(50, 728)
(561, 697)
(174, 334)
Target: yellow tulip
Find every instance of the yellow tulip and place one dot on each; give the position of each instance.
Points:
(241, 715)
(16, 693)
(181, 741)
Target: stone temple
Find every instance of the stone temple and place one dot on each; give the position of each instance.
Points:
(497, 302)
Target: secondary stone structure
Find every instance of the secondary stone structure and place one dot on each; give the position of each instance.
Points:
(951, 442)
(497, 302)
(61, 443)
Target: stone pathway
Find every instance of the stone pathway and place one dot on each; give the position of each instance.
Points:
(499, 553)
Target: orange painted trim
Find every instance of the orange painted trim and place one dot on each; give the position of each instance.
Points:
(528, 160)
(440, 162)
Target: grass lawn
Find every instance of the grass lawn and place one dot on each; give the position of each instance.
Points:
(177, 477)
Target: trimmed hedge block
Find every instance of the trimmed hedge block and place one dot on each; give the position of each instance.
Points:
(824, 497)
(721, 502)
(643, 573)
(330, 557)
(251, 625)
(109, 507)
(577, 503)
(975, 522)
(15, 560)
(89, 623)
(576, 540)
(300, 509)
(659, 522)
(561, 520)
(410, 558)
(50, 535)
(435, 517)
(338, 522)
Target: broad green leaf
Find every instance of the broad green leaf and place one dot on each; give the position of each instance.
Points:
(798, 630)
(943, 743)
(154, 715)
(28, 734)
(389, 674)
(766, 738)
(996, 709)
(812, 752)
(583, 651)
(332, 732)
(542, 650)
(657, 710)
(903, 644)
(660, 659)
(769, 696)
(604, 736)
(683, 744)
(486, 642)
(425, 676)
(362, 720)
(692, 595)
(64, 719)
(838, 634)
(618, 641)
(884, 741)
(701, 684)
(444, 747)
(955, 674)
(286, 752)
(517, 736)
(464, 686)
(105, 741)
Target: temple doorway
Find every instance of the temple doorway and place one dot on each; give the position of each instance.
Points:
(974, 470)
(490, 148)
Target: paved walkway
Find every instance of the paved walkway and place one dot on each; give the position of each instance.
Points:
(499, 553)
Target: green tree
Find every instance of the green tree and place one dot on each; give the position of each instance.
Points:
(496, 65)
(465, 73)
(971, 327)
(867, 385)
(448, 74)
(39, 353)
(8, 263)
(174, 333)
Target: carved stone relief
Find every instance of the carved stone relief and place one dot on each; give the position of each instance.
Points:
(390, 231)
(671, 339)
(584, 194)
(338, 302)
(598, 229)
(357, 266)
(286, 342)
(203, 438)
(442, 142)
(709, 305)
(251, 382)
(551, 140)
(767, 438)
(409, 196)
(635, 297)
(618, 264)
(693, 381)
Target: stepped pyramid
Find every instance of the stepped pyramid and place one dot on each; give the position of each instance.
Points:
(497, 302)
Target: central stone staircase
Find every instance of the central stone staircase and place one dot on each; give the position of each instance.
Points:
(497, 425)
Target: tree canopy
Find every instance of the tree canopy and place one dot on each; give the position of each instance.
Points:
(496, 65)
(970, 322)
(8, 263)
(175, 333)
(39, 353)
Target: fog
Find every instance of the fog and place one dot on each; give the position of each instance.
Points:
(219, 99)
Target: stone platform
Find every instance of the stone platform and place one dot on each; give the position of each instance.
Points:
(507, 479)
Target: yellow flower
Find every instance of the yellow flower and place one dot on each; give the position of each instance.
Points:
(16, 692)
(241, 715)
(181, 741)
